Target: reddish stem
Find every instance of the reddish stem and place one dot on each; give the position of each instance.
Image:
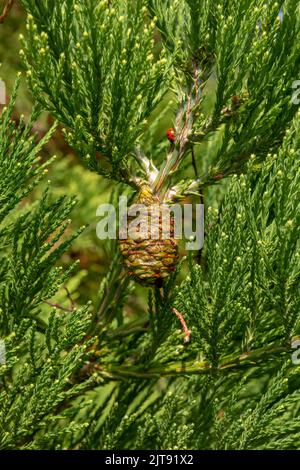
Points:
(6, 10)
(184, 326)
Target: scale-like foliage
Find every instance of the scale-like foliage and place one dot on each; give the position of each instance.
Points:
(114, 377)
(41, 349)
(98, 74)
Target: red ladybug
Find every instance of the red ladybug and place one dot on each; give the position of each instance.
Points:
(171, 135)
(218, 177)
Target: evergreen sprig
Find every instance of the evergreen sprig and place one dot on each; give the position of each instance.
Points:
(99, 75)
(42, 348)
(108, 377)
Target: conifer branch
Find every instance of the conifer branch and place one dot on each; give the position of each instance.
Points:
(246, 359)
(183, 128)
(115, 374)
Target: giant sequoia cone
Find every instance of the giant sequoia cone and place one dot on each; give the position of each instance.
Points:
(150, 254)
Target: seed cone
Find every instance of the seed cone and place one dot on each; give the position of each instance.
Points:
(150, 254)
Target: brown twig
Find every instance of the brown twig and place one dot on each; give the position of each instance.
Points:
(183, 129)
(72, 303)
(184, 326)
(6, 10)
(60, 307)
